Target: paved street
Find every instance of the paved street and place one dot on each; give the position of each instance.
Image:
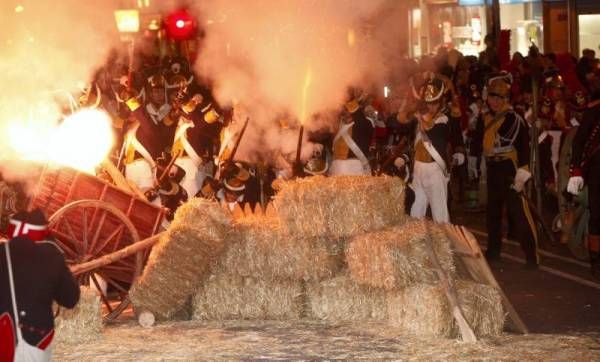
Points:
(560, 297)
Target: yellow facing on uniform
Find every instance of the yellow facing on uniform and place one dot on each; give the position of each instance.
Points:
(211, 116)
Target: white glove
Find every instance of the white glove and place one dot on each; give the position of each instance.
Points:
(472, 167)
(521, 178)
(399, 163)
(575, 185)
(458, 159)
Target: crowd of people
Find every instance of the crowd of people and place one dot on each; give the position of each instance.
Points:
(445, 117)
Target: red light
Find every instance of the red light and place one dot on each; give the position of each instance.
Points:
(180, 25)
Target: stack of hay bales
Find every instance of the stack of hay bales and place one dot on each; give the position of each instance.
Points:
(396, 260)
(338, 249)
(82, 323)
(261, 274)
(182, 258)
(396, 257)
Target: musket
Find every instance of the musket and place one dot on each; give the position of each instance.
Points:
(298, 163)
(393, 155)
(160, 179)
(231, 157)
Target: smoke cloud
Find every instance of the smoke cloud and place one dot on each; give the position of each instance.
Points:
(260, 53)
(48, 49)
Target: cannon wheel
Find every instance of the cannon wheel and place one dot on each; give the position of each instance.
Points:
(88, 229)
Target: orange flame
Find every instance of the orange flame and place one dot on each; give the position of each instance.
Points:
(307, 82)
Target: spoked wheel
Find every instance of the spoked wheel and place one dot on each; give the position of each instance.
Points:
(89, 229)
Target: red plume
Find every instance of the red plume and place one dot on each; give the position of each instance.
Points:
(504, 49)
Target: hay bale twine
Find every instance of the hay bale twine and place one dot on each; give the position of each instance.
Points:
(82, 323)
(342, 299)
(340, 206)
(397, 257)
(263, 250)
(181, 258)
(423, 310)
(226, 296)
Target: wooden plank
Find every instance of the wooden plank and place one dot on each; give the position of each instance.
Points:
(258, 211)
(270, 210)
(237, 212)
(447, 285)
(248, 210)
(469, 253)
(488, 278)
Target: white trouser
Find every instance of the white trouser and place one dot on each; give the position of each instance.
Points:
(431, 189)
(350, 167)
(194, 176)
(141, 174)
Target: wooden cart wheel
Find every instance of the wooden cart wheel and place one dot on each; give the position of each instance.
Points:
(89, 229)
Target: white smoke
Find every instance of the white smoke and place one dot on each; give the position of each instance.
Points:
(48, 50)
(259, 52)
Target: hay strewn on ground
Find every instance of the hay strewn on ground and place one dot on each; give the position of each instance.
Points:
(262, 250)
(340, 206)
(397, 257)
(341, 299)
(314, 340)
(82, 323)
(225, 296)
(423, 310)
(181, 258)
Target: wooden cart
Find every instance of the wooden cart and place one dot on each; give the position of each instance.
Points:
(90, 219)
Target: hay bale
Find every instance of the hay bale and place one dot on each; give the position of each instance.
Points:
(341, 299)
(340, 206)
(206, 216)
(182, 258)
(226, 296)
(424, 310)
(82, 323)
(263, 250)
(397, 257)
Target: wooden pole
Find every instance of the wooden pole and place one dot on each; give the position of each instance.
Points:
(115, 256)
(447, 285)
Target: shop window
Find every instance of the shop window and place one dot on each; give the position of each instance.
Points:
(589, 32)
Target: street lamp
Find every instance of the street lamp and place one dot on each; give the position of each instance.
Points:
(128, 21)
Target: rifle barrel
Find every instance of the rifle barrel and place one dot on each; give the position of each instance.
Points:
(299, 147)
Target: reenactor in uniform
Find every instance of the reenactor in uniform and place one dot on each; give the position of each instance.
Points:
(434, 138)
(577, 106)
(33, 268)
(148, 138)
(233, 188)
(352, 143)
(198, 126)
(502, 138)
(555, 95)
(585, 169)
